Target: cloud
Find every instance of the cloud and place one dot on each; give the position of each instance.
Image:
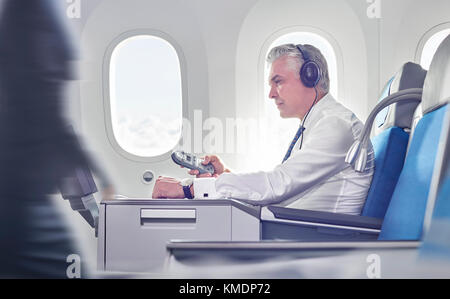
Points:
(149, 136)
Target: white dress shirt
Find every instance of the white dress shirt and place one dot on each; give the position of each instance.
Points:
(314, 177)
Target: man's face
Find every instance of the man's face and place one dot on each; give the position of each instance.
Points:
(292, 98)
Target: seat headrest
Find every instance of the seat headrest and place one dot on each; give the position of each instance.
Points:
(411, 75)
(436, 91)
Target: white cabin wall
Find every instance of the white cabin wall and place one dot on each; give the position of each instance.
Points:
(416, 18)
(402, 26)
(76, 27)
(220, 23)
(371, 32)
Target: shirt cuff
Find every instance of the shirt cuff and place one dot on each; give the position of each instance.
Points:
(205, 188)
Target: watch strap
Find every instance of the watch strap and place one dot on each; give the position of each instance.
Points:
(187, 192)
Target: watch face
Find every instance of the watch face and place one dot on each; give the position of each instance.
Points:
(187, 182)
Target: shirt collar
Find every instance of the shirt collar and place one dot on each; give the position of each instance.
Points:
(321, 104)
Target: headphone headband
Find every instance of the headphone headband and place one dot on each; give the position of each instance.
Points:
(304, 52)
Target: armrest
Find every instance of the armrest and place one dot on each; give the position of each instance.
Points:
(241, 251)
(79, 188)
(325, 217)
(289, 245)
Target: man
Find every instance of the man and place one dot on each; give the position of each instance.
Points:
(313, 174)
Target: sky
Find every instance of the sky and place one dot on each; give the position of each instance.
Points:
(146, 95)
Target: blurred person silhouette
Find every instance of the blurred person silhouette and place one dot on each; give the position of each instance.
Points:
(37, 146)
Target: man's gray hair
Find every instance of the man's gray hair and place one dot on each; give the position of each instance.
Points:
(314, 54)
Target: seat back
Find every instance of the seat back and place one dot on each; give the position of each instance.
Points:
(405, 215)
(437, 221)
(390, 144)
(437, 243)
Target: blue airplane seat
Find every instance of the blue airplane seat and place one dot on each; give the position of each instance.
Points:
(437, 241)
(390, 144)
(405, 216)
(436, 244)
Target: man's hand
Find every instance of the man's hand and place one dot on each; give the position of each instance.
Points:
(166, 187)
(219, 168)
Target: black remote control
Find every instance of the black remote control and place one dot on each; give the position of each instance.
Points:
(192, 162)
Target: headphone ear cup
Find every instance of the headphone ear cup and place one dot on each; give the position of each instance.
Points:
(310, 74)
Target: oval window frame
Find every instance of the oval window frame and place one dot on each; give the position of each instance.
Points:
(426, 37)
(107, 95)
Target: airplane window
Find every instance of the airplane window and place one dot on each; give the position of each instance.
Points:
(146, 95)
(431, 47)
(281, 131)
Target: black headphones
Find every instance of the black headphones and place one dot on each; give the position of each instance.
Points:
(310, 71)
